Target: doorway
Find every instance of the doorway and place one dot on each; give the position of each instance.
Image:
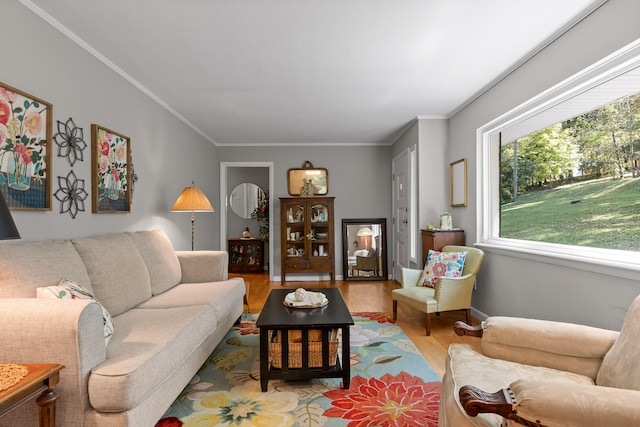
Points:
(403, 204)
(227, 215)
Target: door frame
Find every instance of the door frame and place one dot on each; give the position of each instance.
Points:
(224, 203)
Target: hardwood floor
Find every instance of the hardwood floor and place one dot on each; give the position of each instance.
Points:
(375, 296)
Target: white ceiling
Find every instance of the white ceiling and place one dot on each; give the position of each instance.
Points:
(295, 72)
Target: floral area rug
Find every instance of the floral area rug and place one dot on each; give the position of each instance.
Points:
(391, 385)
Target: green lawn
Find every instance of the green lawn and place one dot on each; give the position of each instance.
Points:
(607, 215)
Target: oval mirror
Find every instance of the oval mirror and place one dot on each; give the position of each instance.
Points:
(244, 199)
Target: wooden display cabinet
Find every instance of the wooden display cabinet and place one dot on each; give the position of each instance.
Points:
(245, 255)
(307, 236)
(437, 239)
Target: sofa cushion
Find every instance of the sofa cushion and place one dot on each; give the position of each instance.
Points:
(119, 276)
(27, 266)
(68, 289)
(223, 296)
(148, 346)
(160, 257)
(620, 367)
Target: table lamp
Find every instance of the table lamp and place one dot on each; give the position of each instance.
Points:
(8, 228)
(192, 199)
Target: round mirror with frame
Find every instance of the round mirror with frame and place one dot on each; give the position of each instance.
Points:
(244, 199)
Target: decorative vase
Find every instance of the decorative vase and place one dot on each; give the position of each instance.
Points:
(113, 187)
(246, 233)
(18, 173)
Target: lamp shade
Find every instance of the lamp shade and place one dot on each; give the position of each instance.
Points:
(8, 228)
(192, 199)
(364, 231)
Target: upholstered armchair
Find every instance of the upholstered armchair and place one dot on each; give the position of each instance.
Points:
(367, 262)
(449, 294)
(543, 373)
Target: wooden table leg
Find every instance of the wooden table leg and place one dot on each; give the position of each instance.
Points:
(47, 404)
(346, 358)
(264, 358)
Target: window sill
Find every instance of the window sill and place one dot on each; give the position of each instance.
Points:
(610, 262)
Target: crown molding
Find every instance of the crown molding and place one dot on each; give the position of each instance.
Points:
(76, 39)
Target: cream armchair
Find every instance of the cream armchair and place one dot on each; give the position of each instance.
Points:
(450, 293)
(543, 373)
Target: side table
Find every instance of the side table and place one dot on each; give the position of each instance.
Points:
(41, 380)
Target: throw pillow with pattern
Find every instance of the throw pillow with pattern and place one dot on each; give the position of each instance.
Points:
(67, 289)
(442, 264)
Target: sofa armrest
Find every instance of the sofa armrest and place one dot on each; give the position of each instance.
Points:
(564, 346)
(203, 266)
(409, 277)
(537, 402)
(69, 332)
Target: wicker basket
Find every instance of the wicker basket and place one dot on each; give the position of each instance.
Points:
(295, 349)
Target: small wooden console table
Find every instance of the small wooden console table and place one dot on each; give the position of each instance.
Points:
(41, 380)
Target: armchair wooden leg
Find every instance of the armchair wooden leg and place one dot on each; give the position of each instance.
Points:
(395, 310)
(467, 312)
(428, 324)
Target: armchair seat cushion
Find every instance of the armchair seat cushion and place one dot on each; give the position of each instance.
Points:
(421, 298)
(470, 367)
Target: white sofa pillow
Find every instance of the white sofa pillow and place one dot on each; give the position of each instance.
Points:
(67, 289)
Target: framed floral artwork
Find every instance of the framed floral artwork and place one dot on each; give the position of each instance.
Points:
(110, 171)
(25, 141)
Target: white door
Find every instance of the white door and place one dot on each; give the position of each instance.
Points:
(401, 212)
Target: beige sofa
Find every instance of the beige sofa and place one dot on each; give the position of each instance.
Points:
(170, 309)
(542, 373)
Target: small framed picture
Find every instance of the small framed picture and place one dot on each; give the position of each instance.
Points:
(458, 183)
(110, 171)
(25, 149)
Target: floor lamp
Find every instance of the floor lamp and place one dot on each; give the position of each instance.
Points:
(8, 228)
(192, 199)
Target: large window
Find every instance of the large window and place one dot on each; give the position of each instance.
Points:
(576, 182)
(560, 174)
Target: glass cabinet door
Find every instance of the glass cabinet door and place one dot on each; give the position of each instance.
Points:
(319, 231)
(295, 231)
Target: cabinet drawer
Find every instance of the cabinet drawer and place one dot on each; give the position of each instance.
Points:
(300, 265)
(320, 265)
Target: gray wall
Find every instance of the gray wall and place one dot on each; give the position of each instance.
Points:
(167, 154)
(520, 284)
(359, 179)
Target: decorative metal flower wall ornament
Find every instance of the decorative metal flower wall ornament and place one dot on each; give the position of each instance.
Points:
(70, 141)
(71, 194)
(134, 178)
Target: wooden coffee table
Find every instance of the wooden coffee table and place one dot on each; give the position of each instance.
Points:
(276, 317)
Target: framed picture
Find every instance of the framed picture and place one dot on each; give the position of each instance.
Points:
(458, 183)
(25, 157)
(316, 178)
(110, 171)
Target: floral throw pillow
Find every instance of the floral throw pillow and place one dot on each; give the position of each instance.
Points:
(442, 264)
(67, 289)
